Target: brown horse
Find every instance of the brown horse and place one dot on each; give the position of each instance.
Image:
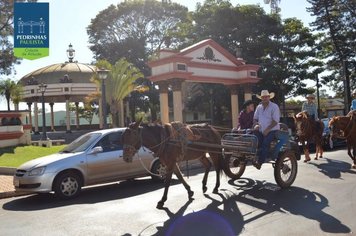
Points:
(307, 130)
(345, 127)
(171, 149)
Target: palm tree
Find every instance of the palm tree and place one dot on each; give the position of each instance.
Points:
(16, 96)
(120, 84)
(10, 90)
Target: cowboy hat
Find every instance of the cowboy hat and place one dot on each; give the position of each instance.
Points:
(265, 93)
(310, 96)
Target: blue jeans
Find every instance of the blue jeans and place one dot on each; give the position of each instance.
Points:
(264, 143)
(282, 137)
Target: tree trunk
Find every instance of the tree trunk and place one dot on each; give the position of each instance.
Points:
(121, 114)
(8, 104)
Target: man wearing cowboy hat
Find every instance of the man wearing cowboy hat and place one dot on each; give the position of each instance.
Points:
(266, 122)
(310, 107)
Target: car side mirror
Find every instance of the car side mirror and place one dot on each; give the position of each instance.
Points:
(96, 150)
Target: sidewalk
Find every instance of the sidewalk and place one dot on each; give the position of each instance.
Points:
(7, 188)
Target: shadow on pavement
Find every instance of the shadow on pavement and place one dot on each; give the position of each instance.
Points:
(223, 217)
(94, 194)
(333, 168)
(270, 198)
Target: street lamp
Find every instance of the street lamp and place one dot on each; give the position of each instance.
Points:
(70, 52)
(42, 88)
(103, 74)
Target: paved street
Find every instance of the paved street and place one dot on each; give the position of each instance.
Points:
(322, 201)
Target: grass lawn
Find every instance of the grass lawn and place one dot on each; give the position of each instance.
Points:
(15, 156)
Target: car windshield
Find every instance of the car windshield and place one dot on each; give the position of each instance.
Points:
(81, 143)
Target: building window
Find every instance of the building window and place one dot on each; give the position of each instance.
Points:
(181, 67)
(66, 89)
(32, 91)
(253, 73)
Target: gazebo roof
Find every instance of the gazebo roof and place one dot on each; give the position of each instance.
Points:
(53, 74)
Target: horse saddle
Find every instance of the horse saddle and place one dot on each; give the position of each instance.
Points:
(181, 132)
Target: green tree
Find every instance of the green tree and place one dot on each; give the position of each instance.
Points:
(120, 84)
(10, 89)
(287, 62)
(336, 20)
(17, 95)
(284, 49)
(135, 30)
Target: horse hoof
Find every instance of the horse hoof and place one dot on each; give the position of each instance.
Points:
(190, 195)
(315, 158)
(204, 189)
(160, 205)
(307, 160)
(216, 191)
(354, 166)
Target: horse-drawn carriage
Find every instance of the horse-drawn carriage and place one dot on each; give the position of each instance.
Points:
(176, 142)
(242, 148)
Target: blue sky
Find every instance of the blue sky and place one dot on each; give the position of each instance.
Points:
(69, 19)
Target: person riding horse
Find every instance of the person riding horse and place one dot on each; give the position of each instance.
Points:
(310, 107)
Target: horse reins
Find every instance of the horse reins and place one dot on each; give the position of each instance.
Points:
(161, 145)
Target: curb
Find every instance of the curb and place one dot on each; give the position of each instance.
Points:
(12, 194)
(7, 170)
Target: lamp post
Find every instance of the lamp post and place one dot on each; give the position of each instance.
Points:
(42, 88)
(70, 52)
(103, 74)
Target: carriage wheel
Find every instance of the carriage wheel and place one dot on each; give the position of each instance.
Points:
(285, 170)
(234, 167)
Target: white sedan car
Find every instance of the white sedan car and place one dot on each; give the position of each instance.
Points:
(93, 158)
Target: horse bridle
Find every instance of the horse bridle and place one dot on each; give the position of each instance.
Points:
(332, 130)
(133, 148)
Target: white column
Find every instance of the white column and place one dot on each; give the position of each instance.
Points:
(177, 99)
(29, 104)
(67, 115)
(234, 106)
(248, 92)
(35, 110)
(163, 101)
(177, 106)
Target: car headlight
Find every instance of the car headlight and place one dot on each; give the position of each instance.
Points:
(37, 171)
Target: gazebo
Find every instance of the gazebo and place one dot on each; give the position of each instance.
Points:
(66, 82)
(203, 62)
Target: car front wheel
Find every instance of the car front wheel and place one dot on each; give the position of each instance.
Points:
(158, 171)
(67, 185)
